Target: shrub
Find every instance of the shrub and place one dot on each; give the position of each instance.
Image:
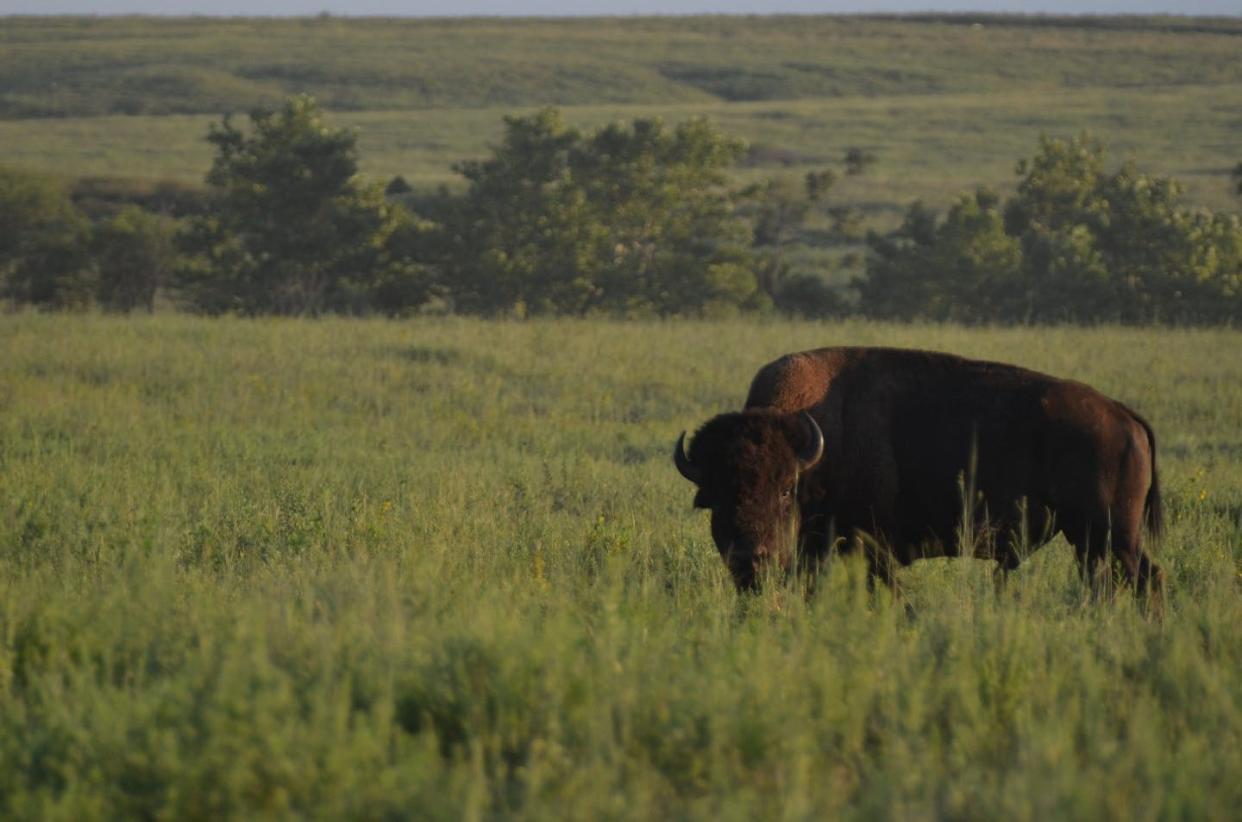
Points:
(1074, 243)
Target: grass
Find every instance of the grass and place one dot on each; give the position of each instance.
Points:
(929, 148)
(445, 568)
(65, 66)
(946, 103)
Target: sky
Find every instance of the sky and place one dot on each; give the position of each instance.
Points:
(452, 8)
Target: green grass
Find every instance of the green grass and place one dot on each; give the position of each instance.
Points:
(944, 104)
(445, 568)
(929, 148)
(63, 66)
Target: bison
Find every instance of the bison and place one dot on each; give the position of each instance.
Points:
(890, 452)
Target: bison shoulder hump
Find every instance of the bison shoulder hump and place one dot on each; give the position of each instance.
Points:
(795, 381)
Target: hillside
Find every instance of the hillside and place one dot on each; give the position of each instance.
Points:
(57, 67)
(944, 103)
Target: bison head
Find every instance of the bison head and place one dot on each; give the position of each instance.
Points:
(746, 467)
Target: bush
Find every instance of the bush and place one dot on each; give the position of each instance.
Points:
(134, 255)
(295, 231)
(805, 295)
(630, 219)
(44, 258)
(1074, 243)
(101, 198)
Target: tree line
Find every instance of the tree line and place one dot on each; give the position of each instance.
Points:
(633, 219)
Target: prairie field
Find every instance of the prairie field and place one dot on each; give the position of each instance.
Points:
(444, 568)
(928, 148)
(946, 103)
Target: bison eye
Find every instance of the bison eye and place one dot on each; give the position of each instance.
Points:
(787, 493)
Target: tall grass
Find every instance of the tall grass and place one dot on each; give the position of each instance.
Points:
(66, 66)
(445, 568)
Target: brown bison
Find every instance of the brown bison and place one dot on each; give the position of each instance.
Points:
(881, 451)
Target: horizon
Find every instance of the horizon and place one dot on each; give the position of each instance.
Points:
(608, 8)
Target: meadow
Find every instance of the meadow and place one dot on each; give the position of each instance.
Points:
(66, 66)
(445, 568)
(929, 148)
(945, 103)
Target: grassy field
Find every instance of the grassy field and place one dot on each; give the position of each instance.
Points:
(945, 103)
(64, 66)
(929, 148)
(445, 568)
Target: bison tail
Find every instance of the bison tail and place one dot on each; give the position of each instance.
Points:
(1154, 507)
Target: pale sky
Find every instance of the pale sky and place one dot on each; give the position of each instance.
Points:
(453, 8)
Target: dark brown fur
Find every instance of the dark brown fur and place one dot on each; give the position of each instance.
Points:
(906, 433)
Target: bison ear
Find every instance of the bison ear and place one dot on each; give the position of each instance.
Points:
(701, 500)
(812, 449)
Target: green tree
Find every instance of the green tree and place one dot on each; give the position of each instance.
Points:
(1075, 242)
(406, 280)
(295, 230)
(630, 218)
(857, 160)
(520, 237)
(671, 241)
(779, 209)
(44, 259)
(962, 269)
(1120, 245)
(134, 254)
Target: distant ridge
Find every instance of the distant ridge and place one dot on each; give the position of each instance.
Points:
(94, 66)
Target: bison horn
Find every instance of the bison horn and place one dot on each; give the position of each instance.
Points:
(814, 450)
(684, 465)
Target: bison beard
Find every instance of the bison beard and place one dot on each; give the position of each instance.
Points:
(867, 449)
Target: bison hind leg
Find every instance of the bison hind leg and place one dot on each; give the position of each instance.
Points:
(1149, 585)
(1096, 544)
(1136, 565)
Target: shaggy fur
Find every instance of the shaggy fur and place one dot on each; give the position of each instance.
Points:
(914, 439)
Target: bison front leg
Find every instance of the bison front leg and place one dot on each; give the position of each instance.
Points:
(881, 567)
(1000, 579)
(827, 536)
(882, 564)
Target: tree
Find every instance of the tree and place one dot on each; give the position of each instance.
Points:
(295, 231)
(1120, 245)
(806, 295)
(627, 219)
(516, 240)
(397, 186)
(778, 210)
(857, 160)
(963, 269)
(1075, 242)
(668, 239)
(43, 244)
(134, 255)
